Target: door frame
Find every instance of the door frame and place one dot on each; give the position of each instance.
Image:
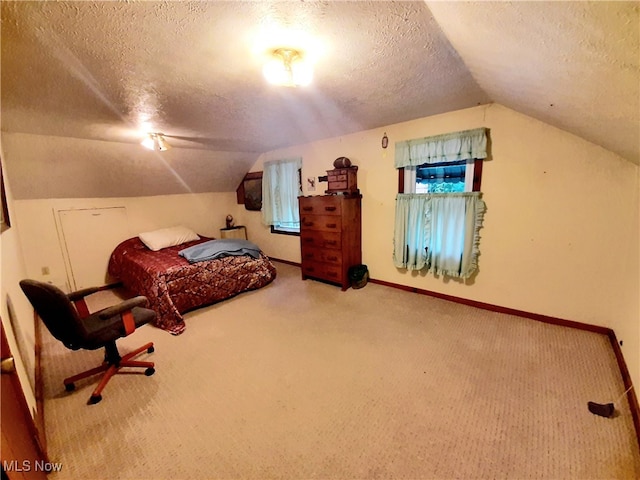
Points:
(22, 451)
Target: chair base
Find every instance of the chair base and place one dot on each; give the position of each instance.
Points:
(111, 367)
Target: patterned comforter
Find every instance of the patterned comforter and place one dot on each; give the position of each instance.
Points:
(174, 286)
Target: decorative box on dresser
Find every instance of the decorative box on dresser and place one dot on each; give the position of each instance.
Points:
(330, 236)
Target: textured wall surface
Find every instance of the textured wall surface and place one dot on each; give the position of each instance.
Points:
(561, 230)
(97, 70)
(574, 65)
(45, 166)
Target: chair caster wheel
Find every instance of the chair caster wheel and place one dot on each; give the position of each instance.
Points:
(69, 387)
(149, 371)
(93, 399)
(151, 350)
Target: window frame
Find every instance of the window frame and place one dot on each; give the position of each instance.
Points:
(282, 231)
(477, 174)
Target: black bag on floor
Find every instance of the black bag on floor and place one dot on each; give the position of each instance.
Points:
(358, 276)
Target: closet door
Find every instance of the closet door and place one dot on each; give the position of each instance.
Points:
(88, 238)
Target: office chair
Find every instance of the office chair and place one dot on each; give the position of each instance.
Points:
(68, 319)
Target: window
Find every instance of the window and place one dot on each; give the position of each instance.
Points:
(289, 228)
(281, 187)
(442, 177)
(439, 210)
(286, 229)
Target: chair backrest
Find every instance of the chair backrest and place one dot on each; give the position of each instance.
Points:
(56, 311)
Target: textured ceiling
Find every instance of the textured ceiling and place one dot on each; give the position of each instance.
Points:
(94, 70)
(575, 65)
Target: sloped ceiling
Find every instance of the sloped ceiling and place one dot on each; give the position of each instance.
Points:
(574, 65)
(85, 75)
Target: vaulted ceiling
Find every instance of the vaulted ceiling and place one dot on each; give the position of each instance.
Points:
(95, 70)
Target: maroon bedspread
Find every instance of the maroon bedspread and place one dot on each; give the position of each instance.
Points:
(174, 286)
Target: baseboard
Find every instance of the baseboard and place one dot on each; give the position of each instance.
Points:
(632, 397)
(285, 261)
(622, 365)
(499, 309)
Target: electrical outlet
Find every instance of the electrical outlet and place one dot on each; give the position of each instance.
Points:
(45, 271)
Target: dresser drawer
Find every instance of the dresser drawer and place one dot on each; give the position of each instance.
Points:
(338, 178)
(330, 230)
(338, 185)
(321, 239)
(327, 223)
(325, 205)
(342, 180)
(325, 271)
(324, 255)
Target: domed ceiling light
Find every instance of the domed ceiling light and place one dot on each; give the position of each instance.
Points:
(156, 142)
(288, 68)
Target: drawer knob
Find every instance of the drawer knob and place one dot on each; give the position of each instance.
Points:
(333, 259)
(330, 242)
(307, 209)
(331, 225)
(308, 224)
(330, 209)
(332, 274)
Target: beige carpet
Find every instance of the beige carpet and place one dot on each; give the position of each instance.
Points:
(302, 381)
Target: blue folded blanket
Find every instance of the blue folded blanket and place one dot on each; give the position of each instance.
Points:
(218, 249)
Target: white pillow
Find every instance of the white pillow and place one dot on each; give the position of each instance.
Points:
(167, 237)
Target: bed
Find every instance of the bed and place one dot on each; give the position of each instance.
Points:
(175, 286)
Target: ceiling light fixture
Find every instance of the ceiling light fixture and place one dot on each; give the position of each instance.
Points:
(156, 142)
(288, 68)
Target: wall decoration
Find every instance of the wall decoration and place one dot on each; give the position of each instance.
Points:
(311, 184)
(385, 140)
(251, 183)
(253, 193)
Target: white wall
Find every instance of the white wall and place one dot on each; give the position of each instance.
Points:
(561, 232)
(32, 243)
(46, 166)
(15, 310)
(38, 221)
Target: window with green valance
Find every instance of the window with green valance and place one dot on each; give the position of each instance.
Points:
(439, 211)
(448, 147)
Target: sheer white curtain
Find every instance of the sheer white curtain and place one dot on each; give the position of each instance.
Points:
(280, 192)
(439, 232)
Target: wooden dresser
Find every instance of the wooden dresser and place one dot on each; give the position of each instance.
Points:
(330, 237)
